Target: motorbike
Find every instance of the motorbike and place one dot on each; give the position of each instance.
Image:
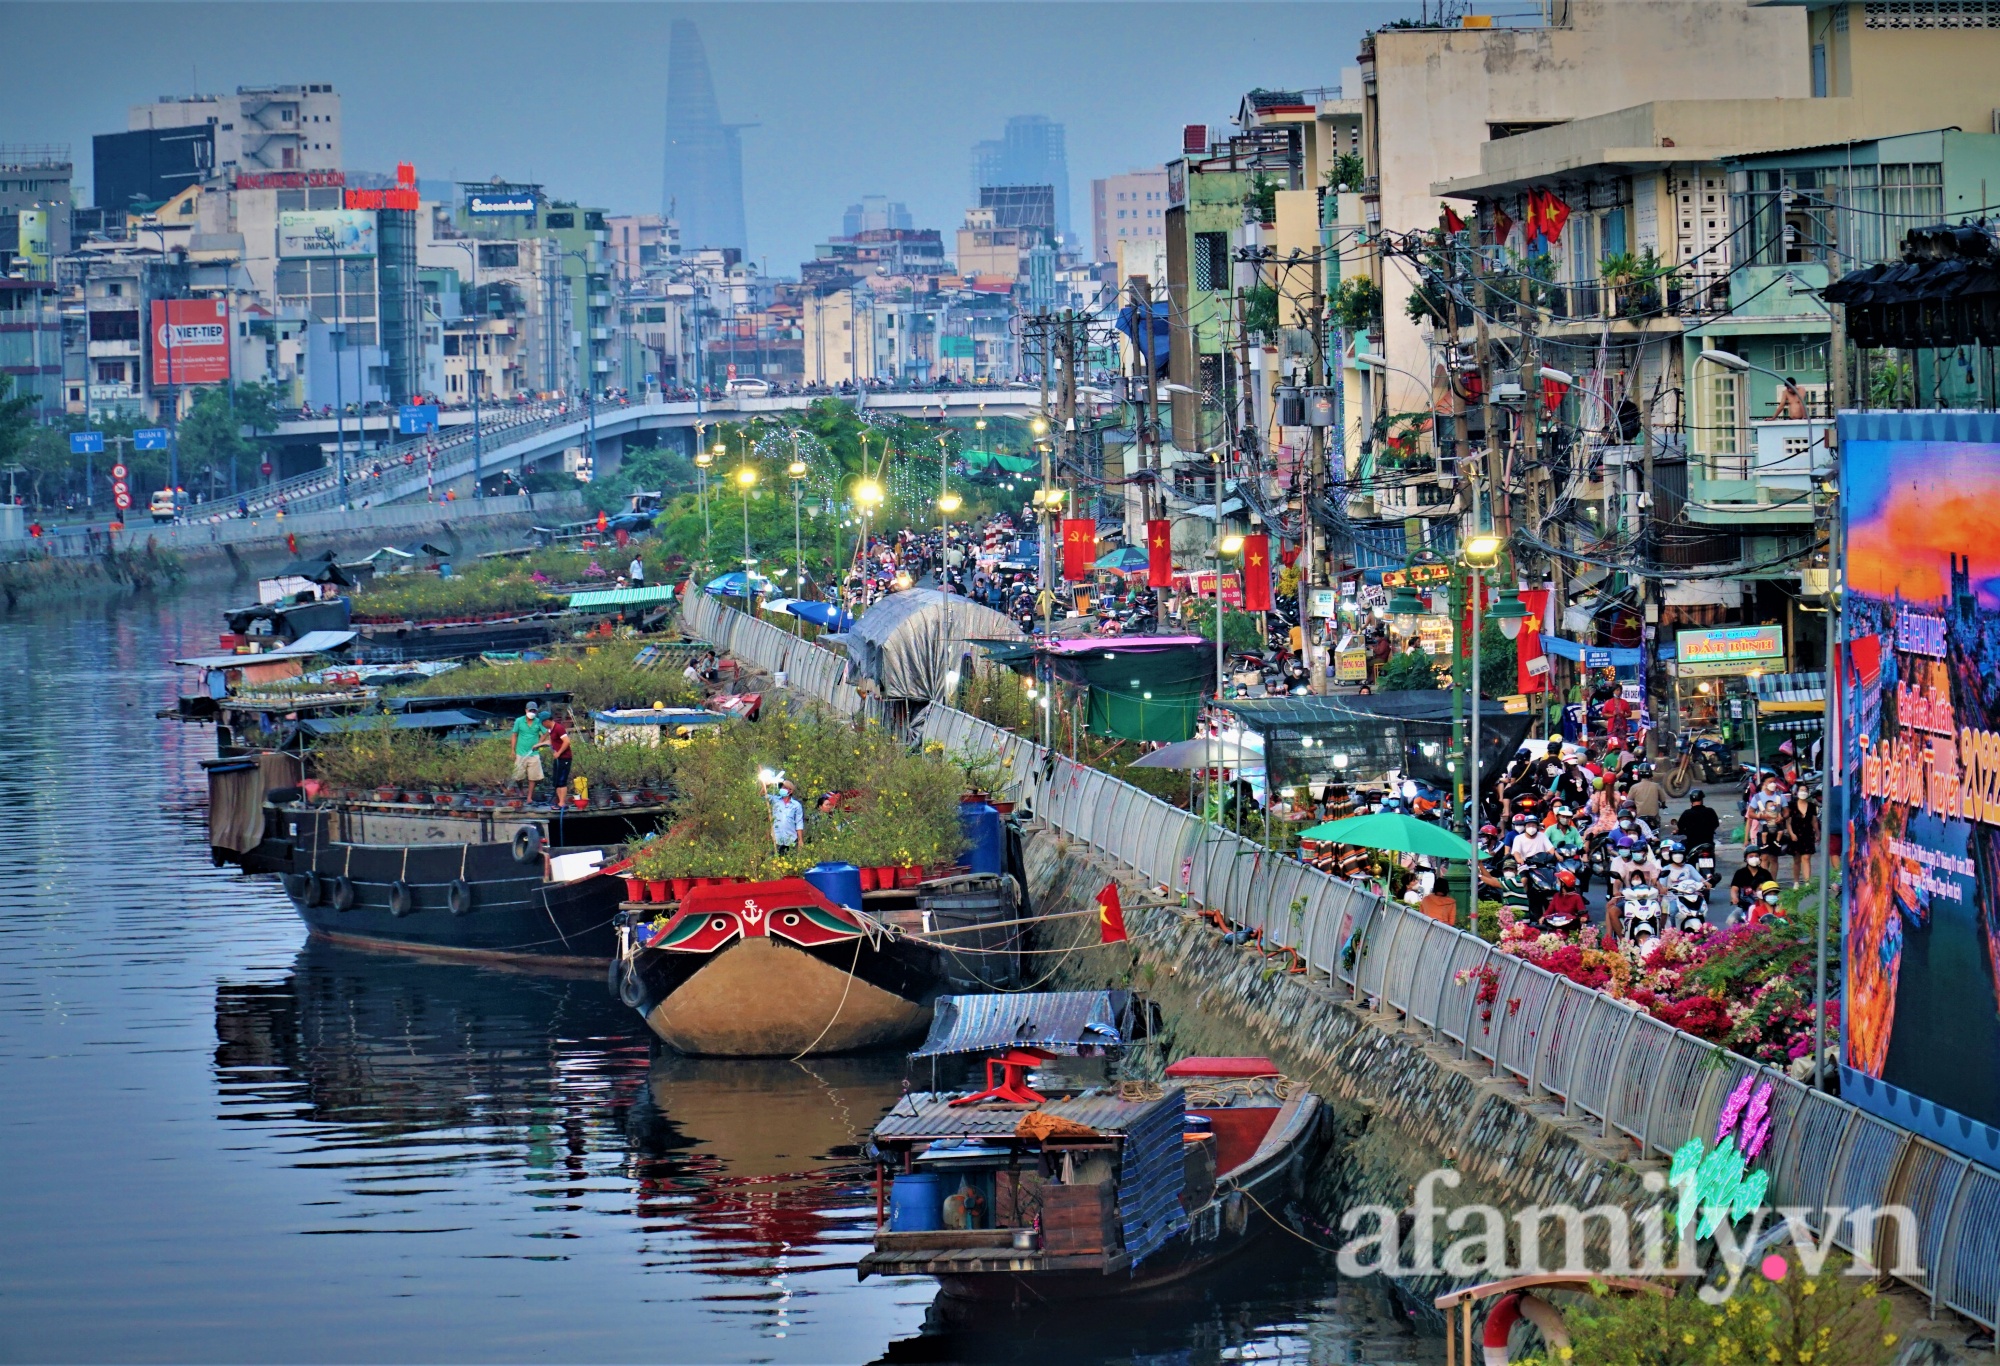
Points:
(1540, 871)
(1565, 923)
(1699, 755)
(1702, 856)
(1639, 916)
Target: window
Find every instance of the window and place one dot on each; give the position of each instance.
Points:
(110, 372)
(120, 326)
(1718, 422)
(1799, 356)
(114, 290)
(1211, 260)
(499, 255)
(561, 220)
(1819, 71)
(1932, 13)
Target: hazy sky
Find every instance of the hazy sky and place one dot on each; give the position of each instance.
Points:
(849, 99)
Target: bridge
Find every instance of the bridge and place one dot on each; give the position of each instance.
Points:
(522, 438)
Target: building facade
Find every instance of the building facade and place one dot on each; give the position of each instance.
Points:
(1127, 208)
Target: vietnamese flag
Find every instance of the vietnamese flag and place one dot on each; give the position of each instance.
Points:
(1160, 554)
(1528, 644)
(1555, 213)
(1110, 916)
(1257, 573)
(1079, 551)
(1452, 222)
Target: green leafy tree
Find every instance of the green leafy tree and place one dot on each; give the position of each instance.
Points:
(1410, 671)
(1357, 305)
(1260, 309)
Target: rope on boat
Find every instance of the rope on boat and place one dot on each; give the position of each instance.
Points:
(845, 988)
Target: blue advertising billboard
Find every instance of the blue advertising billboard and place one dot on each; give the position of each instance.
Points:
(1918, 727)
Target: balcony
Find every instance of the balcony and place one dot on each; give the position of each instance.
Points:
(1770, 479)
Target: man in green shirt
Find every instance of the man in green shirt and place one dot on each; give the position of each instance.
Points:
(530, 738)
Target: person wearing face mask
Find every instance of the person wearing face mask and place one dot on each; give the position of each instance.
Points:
(1796, 832)
(1762, 815)
(1743, 886)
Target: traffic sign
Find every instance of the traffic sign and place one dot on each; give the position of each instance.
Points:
(118, 470)
(119, 488)
(86, 443)
(150, 438)
(265, 469)
(123, 500)
(414, 419)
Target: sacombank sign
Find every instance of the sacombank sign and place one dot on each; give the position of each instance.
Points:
(488, 205)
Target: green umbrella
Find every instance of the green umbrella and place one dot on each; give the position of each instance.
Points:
(1392, 830)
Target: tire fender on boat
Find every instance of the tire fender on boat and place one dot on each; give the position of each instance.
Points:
(527, 844)
(304, 888)
(629, 989)
(459, 896)
(401, 899)
(341, 892)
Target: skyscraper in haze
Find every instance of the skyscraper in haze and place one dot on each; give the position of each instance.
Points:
(1030, 151)
(704, 166)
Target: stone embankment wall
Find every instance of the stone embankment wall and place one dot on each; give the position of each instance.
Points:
(1402, 1105)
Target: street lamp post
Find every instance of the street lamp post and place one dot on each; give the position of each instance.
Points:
(337, 336)
(797, 470)
(589, 367)
(746, 479)
(174, 406)
(1224, 545)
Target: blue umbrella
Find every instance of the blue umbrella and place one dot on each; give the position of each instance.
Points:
(822, 614)
(1126, 559)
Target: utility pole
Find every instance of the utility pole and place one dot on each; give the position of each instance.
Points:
(1147, 437)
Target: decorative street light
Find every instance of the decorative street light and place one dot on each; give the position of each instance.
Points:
(797, 471)
(746, 479)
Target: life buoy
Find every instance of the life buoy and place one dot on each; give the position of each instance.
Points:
(304, 888)
(341, 892)
(459, 896)
(401, 899)
(1509, 1310)
(527, 844)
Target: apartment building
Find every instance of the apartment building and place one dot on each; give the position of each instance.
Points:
(1125, 208)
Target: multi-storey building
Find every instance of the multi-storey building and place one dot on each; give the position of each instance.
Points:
(1125, 208)
(259, 128)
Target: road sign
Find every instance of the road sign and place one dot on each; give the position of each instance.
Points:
(118, 470)
(150, 438)
(119, 488)
(265, 469)
(414, 419)
(123, 500)
(1596, 659)
(86, 443)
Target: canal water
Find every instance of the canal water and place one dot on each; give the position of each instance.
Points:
(221, 1142)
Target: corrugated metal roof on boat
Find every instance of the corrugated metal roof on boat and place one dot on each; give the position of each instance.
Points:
(924, 1114)
(1033, 1019)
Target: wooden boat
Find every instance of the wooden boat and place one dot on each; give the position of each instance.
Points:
(773, 969)
(1111, 1190)
(528, 887)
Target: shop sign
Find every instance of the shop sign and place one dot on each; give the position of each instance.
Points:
(1416, 575)
(1324, 602)
(1730, 650)
(326, 233)
(1350, 666)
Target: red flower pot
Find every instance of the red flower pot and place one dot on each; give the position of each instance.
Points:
(867, 879)
(682, 886)
(885, 877)
(656, 890)
(909, 877)
(635, 889)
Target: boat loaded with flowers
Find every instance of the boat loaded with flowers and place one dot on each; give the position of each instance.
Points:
(733, 946)
(426, 608)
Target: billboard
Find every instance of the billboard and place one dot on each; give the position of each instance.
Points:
(1918, 725)
(1730, 650)
(501, 203)
(326, 232)
(190, 341)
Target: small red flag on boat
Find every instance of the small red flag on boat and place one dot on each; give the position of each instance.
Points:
(291, 543)
(1110, 915)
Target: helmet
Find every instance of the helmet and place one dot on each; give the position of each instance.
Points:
(1564, 811)
(1566, 878)
(1614, 743)
(1489, 829)
(1695, 795)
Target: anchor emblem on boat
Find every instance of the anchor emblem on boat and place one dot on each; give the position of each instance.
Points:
(752, 912)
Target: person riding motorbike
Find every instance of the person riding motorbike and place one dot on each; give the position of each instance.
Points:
(1565, 913)
(1633, 862)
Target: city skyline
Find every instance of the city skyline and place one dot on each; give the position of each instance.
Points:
(904, 132)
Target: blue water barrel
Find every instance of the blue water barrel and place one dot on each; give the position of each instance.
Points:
(839, 883)
(916, 1202)
(985, 838)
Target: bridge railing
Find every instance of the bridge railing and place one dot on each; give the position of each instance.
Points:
(1608, 1062)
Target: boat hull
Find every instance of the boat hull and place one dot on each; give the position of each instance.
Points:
(764, 997)
(470, 893)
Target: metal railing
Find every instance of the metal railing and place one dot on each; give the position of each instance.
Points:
(1608, 1062)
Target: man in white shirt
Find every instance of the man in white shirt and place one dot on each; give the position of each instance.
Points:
(636, 572)
(1529, 842)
